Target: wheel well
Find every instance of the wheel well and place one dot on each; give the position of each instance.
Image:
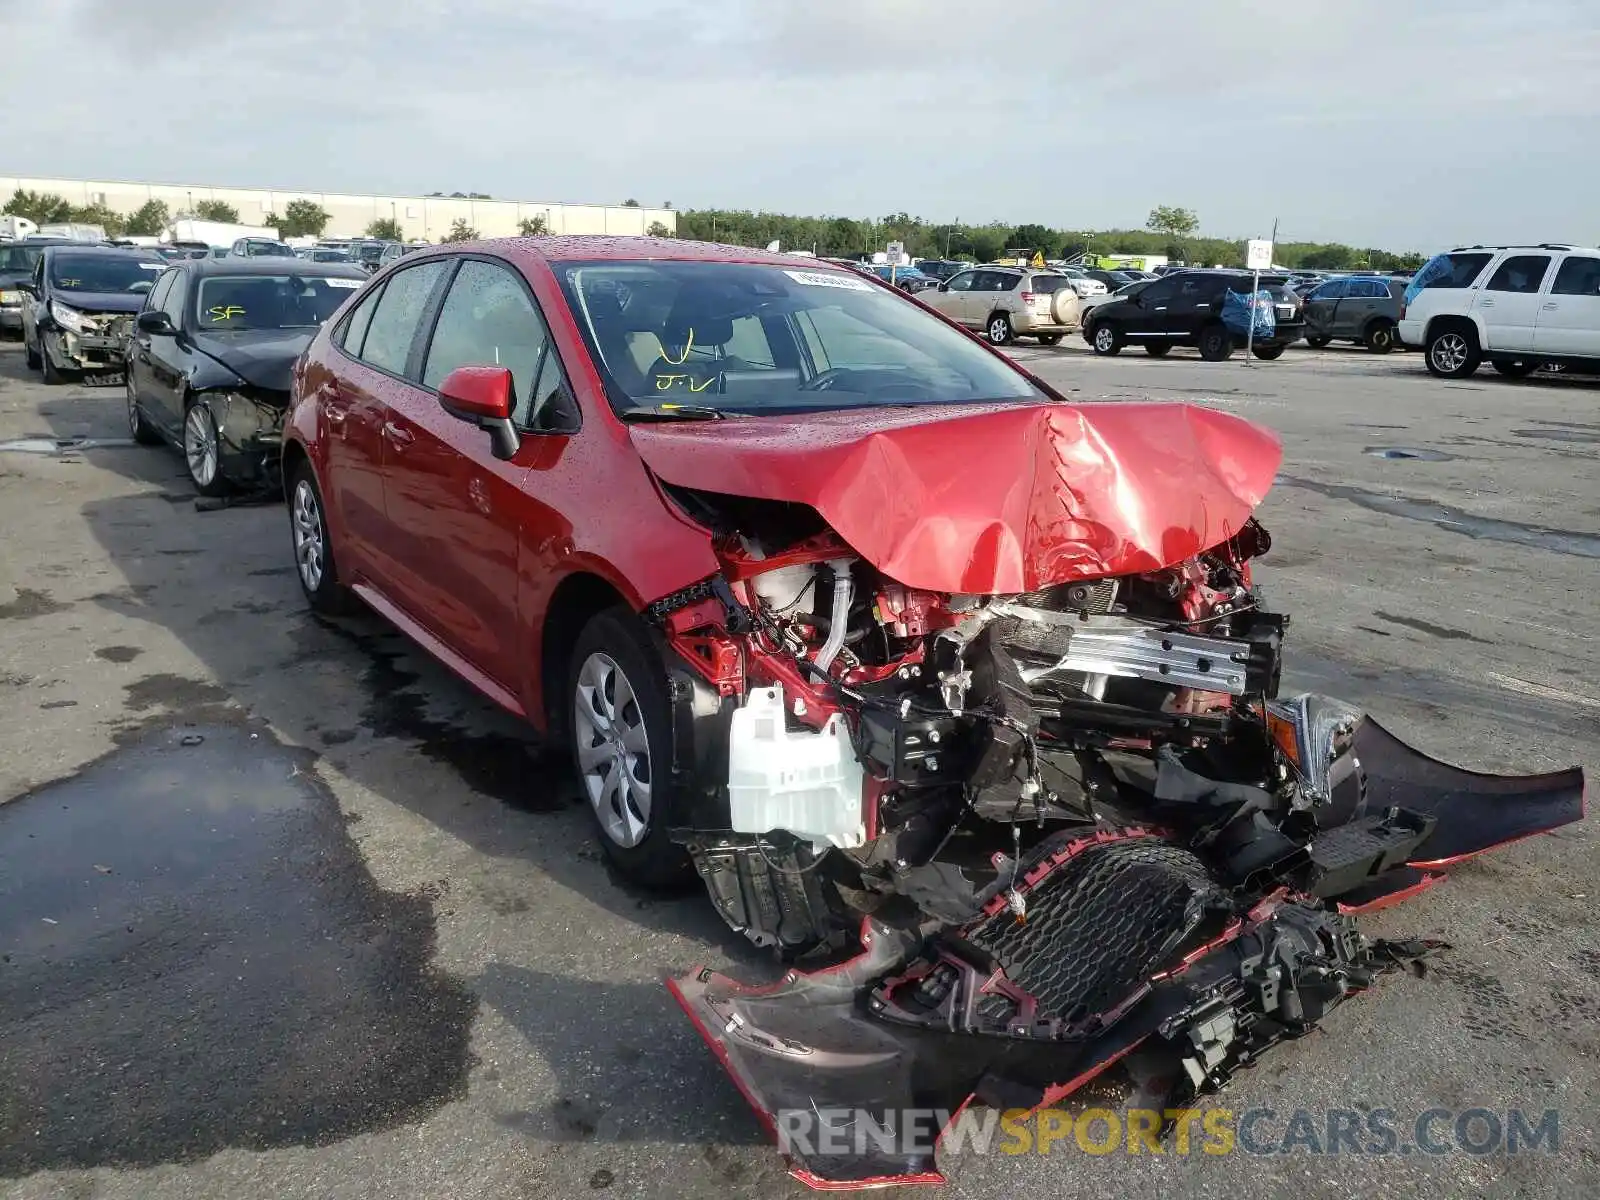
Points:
(999, 312)
(294, 455)
(577, 598)
(1462, 324)
(1377, 322)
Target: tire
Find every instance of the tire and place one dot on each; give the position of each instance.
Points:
(1158, 349)
(1049, 339)
(52, 374)
(202, 451)
(141, 430)
(620, 748)
(1453, 352)
(1215, 343)
(29, 353)
(1380, 337)
(1520, 369)
(1317, 343)
(315, 565)
(998, 330)
(1106, 338)
(1267, 353)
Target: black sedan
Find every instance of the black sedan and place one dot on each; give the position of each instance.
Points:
(211, 355)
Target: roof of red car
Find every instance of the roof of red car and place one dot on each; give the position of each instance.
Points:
(586, 247)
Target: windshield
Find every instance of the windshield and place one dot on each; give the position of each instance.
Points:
(228, 303)
(105, 273)
(18, 260)
(751, 338)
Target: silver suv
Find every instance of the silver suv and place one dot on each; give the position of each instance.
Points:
(1009, 302)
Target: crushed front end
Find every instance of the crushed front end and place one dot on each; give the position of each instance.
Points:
(1006, 839)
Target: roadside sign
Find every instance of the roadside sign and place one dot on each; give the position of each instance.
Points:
(1258, 255)
(896, 256)
(1038, 258)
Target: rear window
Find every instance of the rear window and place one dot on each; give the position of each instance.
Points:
(1050, 284)
(1456, 270)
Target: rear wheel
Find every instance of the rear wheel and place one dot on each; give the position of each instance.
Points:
(621, 733)
(1267, 352)
(1453, 352)
(1215, 343)
(1107, 339)
(1380, 337)
(313, 550)
(999, 329)
(1158, 349)
(1516, 370)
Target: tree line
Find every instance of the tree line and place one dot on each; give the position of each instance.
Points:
(1172, 232)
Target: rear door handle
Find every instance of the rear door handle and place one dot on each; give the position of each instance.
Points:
(396, 434)
(1551, 307)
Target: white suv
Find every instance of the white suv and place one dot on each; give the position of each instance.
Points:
(1515, 307)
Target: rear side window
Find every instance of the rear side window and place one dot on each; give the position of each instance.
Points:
(398, 313)
(1520, 273)
(1578, 276)
(355, 326)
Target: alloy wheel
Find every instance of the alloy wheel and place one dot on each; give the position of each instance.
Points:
(133, 408)
(200, 446)
(306, 523)
(613, 750)
(1450, 353)
(1104, 338)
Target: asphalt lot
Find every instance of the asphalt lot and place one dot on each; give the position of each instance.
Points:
(286, 911)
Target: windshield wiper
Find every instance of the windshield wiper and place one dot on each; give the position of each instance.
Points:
(672, 412)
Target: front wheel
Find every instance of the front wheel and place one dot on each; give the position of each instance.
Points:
(52, 373)
(1380, 337)
(202, 451)
(1216, 344)
(1453, 354)
(141, 430)
(621, 735)
(1519, 369)
(1107, 339)
(30, 352)
(1267, 352)
(999, 329)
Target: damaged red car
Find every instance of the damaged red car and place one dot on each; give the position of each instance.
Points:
(958, 695)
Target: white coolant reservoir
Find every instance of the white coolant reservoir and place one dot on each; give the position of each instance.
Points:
(804, 782)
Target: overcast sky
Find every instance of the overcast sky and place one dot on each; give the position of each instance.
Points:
(1397, 123)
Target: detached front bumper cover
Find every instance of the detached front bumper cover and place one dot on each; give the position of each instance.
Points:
(1126, 943)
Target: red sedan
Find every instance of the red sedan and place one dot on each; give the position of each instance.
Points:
(842, 610)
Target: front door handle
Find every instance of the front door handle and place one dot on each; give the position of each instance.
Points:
(396, 434)
(1486, 304)
(1551, 307)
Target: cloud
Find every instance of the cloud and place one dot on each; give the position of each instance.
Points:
(1361, 120)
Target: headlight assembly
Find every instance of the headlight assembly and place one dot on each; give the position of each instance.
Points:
(68, 318)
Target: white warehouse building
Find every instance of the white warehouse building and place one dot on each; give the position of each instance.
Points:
(428, 218)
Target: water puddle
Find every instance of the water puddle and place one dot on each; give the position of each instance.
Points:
(71, 445)
(193, 956)
(1409, 452)
(1539, 537)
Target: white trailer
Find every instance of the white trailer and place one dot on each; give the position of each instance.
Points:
(214, 233)
(16, 228)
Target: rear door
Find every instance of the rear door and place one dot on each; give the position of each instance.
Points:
(453, 507)
(377, 339)
(1569, 312)
(1509, 303)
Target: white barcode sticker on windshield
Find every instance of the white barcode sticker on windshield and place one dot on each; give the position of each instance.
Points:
(345, 283)
(833, 279)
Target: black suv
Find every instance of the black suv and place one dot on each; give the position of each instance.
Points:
(1185, 308)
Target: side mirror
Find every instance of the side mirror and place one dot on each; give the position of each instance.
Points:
(944, 287)
(153, 320)
(482, 397)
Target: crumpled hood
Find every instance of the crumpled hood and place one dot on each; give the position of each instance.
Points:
(996, 499)
(101, 302)
(264, 358)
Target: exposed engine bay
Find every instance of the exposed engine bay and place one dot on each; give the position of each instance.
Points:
(1070, 822)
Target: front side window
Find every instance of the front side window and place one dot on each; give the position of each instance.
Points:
(755, 338)
(158, 294)
(230, 303)
(1519, 273)
(1578, 276)
(397, 315)
(962, 282)
(486, 320)
(107, 274)
(172, 302)
(354, 333)
(1334, 289)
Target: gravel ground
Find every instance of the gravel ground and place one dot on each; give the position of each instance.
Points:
(286, 911)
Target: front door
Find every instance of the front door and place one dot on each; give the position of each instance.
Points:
(1569, 313)
(1322, 308)
(165, 360)
(453, 507)
(952, 299)
(1509, 302)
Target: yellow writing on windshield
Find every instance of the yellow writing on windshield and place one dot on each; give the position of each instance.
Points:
(684, 357)
(665, 383)
(225, 312)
